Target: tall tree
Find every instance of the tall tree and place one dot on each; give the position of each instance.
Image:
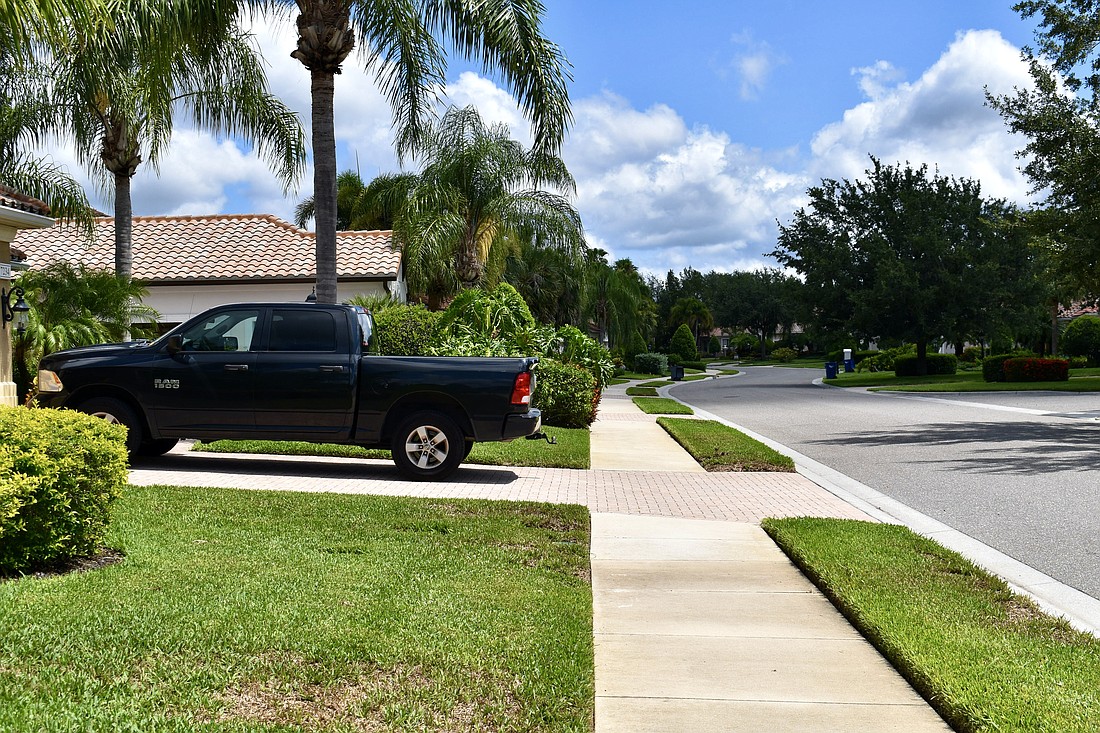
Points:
(401, 44)
(892, 255)
(1060, 117)
(694, 313)
(478, 190)
(117, 97)
(359, 206)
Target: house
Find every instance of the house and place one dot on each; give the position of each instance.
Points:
(191, 263)
(17, 213)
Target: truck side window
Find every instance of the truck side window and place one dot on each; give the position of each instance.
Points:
(302, 330)
(224, 331)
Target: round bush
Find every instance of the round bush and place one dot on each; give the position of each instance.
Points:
(1082, 338)
(651, 364)
(910, 366)
(565, 393)
(404, 330)
(60, 471)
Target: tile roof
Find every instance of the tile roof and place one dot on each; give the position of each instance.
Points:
(12, 199)
(1078, 309)
(226, 247)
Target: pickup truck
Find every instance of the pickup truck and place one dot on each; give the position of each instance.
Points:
(295, 371)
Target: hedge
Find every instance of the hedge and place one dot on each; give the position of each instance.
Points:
(404, 330)
(651, 364)
(911, 366)
(567, 394)
(1031, 369)
(60, 471)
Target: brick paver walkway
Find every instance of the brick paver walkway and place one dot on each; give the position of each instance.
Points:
(736, 497)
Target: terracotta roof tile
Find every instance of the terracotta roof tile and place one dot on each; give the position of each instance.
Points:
(12, 199)
(228, 247)
(1078, 309)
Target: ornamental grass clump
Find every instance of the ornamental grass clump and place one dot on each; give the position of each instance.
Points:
(60, 472)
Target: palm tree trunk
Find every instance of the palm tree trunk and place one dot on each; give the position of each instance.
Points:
(324, 184)
(124, 227)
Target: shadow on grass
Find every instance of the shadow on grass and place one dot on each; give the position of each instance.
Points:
(314, 467)
(1029, 449)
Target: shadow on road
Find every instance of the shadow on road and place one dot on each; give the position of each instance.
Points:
(1017, 448)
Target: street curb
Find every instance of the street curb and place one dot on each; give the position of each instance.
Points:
(1081, 610)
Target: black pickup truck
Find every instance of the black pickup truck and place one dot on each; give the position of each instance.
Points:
(295, 371)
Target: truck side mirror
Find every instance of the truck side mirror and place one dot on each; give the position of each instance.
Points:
(175, 344)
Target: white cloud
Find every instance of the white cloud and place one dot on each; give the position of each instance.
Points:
(753, 66)
(940, 119)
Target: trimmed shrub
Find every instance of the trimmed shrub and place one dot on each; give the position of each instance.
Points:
(971, 355)
(881, 361)
(1082, 338)
(700, 365)
(404, 330)
(784, 354)
(566, 394)
(993, 365)
(1031, 369)
(683, 344)
(60, 471)
(908, 365)
(651, 364)
(714, 345)
(635, 346)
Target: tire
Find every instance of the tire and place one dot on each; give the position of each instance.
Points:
(119, 413)
(157, 447)
(428, 446)
(466, 451)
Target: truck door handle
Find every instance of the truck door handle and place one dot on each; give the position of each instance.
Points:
(236, 367)
(332, 368)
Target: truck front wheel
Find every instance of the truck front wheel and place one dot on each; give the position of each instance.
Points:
(428, 446)
(119, 413)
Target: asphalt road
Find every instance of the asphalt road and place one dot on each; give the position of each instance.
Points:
(1017, 471)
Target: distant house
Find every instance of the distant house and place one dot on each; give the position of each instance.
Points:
(191, 263)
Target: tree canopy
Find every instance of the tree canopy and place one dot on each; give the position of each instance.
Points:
(1060, 117)
(909, 254)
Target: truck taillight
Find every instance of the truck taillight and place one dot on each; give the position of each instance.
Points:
(521, 390)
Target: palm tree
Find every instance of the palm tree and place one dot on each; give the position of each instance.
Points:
(615, 299)
(479, 190)
(694, 313)
(400, 43)
(57, 27)
(359, 206)
(74, 306)
(117, 97)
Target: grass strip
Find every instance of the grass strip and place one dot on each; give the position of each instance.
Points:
(279, 611)
(641, 391)
(571, 451)
(718, 447)
(986, 658)
(662, 406)
(658, 383)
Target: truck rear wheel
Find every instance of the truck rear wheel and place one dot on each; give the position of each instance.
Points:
(428, 446)
(157, 447)
(119, 413)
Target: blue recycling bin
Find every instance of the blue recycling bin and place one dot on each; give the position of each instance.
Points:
(849, 365)
(677, 373)
(830, 370)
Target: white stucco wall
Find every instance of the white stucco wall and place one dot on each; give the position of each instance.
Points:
(177, 303)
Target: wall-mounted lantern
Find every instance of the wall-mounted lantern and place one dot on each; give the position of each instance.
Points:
(16, 311)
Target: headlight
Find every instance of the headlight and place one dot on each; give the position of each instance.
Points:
(49, 381)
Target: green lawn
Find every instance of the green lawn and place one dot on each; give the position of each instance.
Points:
(718, 447)
(641, 391)
(987, 659)
(571, 451)
(239, 611)
(662, 406)
(1081, 380)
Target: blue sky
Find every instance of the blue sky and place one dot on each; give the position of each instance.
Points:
(697, 129)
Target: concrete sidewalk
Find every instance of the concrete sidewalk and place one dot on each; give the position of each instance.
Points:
(707, 626)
